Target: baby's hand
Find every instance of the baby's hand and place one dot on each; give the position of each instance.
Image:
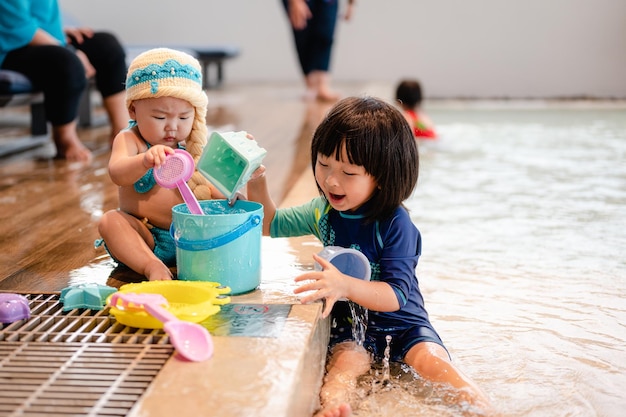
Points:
(155, 156)
(329, 284)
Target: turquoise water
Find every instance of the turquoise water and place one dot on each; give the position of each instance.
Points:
(523, 219)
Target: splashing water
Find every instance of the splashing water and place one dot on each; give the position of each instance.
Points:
(359, 322)
(386, 379)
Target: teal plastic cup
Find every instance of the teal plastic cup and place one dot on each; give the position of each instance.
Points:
(228, 161)
(222, 245)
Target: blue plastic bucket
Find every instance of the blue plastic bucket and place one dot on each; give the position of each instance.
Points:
(222, 245)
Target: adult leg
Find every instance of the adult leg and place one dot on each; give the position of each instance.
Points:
(322, 34)
(432, 362)
(347, 362)
(68, 144)
(59, 74)
(129, 241)
(314, 46)
(302, 39)
(115, 106)
(321, 80)
(108, 57)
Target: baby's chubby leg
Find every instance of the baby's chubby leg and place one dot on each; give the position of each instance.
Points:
(130, 242)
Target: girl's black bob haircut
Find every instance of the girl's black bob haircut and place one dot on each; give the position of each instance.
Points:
(377, 137)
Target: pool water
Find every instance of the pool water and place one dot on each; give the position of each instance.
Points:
(522, 212)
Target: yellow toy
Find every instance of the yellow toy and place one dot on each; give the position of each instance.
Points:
(191, 301)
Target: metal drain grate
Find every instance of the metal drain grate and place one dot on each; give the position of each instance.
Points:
(80, 362)
(49, 323)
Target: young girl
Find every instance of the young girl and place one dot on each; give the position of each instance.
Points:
(409, 97)
(167, 106)
(365, 162)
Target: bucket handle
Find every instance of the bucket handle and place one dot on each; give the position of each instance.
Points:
(215, 242)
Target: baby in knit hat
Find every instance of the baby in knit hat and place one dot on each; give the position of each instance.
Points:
(167, 106)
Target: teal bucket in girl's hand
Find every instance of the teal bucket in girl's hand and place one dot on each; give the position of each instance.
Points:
(222, 245)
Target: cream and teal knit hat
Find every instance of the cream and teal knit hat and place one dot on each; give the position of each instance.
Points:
(164, 72)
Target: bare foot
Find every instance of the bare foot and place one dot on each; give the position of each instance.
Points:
(74, 153)
(342, 410)
(328, 95)
(321, 81)
(157, 271)
(68, 144)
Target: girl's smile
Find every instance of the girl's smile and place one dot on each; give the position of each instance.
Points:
(346, 186)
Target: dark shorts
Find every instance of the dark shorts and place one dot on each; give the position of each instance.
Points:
(402, 340)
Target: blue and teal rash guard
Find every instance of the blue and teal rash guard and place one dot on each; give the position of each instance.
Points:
(393, 247)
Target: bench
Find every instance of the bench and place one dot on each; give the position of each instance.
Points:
(17, 90)
(214, 56)
(208, 56)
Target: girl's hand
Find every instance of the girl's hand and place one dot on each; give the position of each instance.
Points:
(155, 156)
(258, 173)
(328, 284)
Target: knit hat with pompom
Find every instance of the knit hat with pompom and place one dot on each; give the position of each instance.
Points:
(164, 72)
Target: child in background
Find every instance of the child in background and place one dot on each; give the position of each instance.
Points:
(409, 97)
(365, 162)
(167, 106)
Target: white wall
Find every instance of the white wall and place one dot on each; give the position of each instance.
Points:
(457, 48)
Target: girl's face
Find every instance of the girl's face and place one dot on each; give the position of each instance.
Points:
(163, 120)
(346, 186)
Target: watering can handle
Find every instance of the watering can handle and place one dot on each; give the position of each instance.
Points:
(216, 242)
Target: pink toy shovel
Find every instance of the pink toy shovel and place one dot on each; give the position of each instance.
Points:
(175, 172)
(191, 340)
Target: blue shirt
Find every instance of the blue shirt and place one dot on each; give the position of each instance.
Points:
(20, 19)
(393, 247)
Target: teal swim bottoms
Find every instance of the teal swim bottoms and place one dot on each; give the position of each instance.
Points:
(164, 246)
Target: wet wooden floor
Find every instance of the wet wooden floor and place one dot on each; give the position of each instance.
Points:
(49, 209)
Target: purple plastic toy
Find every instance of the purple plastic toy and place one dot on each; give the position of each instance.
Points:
(13, 307)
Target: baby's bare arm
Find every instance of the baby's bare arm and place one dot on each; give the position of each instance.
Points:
(130, 160)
